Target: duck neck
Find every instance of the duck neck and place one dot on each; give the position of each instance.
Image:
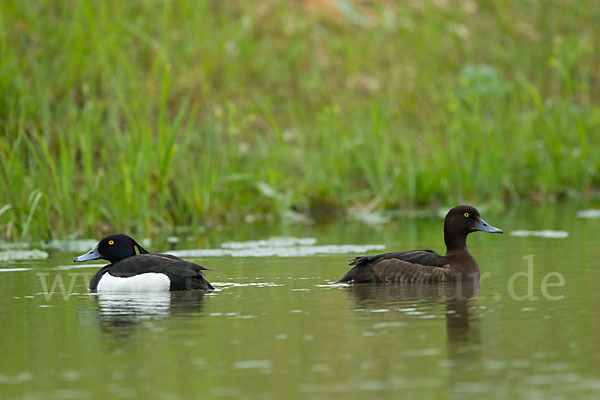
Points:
(455, 243)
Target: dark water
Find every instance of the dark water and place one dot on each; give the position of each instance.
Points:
(278, 328)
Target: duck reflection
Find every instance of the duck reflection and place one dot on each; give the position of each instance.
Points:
(125, 311)
(462, 328)
(368, 293)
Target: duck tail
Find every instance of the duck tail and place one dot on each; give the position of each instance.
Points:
(201, 284)
(350, 275)
(359, 274)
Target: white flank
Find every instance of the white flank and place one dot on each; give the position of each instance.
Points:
(150, 281)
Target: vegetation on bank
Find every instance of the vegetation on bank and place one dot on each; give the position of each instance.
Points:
(135, 116)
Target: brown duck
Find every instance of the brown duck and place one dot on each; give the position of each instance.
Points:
(426, 265)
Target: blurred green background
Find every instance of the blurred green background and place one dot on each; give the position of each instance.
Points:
(137, 116)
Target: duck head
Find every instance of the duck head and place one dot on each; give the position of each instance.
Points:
(113, 248)
(462, 220)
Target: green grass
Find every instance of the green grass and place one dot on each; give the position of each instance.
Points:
(135, 116)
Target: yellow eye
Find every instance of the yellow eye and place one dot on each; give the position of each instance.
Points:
(466, 215)
(111, 242)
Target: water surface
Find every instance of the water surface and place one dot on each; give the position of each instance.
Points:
(278, 327)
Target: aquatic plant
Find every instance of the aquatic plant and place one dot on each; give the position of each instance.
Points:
(131, 116)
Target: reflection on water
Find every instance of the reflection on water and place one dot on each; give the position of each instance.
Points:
(123, 310)
(462, 324)
(368, 294)
(462, 328)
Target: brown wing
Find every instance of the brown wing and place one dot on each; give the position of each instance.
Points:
(364, 270)
(398, 271)
(422, 257)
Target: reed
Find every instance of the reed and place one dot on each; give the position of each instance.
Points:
(135, 116)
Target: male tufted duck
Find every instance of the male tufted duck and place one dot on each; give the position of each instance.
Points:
(131, 272)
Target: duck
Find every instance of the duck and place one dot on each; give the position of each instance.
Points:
(427, 266)
(131, 272)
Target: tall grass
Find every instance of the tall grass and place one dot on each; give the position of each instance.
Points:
(143, 115)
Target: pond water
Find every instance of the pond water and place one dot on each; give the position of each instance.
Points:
(278, 327)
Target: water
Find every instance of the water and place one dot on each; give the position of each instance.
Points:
(278, 327)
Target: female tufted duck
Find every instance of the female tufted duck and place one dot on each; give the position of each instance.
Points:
(426, 265)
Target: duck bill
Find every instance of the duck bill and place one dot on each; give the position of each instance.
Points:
(93, 254)
(485, 227)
